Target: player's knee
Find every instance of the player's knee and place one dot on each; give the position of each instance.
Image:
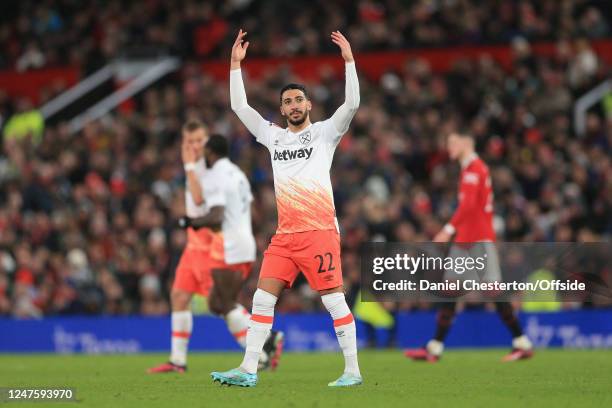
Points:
(180, 300)
(264, 302)
(336, 305)
(272, 286)
(225, 308)
(339, 289)
(215, 306)
(219, 306)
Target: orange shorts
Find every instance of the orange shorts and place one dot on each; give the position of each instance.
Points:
(217, 258)
(315, 253)
(193, 272)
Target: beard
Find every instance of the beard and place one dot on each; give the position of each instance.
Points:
(299, 121)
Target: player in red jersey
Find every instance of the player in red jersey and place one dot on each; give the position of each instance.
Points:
(307, 238)
(472, 223)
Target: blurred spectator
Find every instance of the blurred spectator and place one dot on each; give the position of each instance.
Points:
(31, 58)
(27, 122)
(584, 64)
(36, 34)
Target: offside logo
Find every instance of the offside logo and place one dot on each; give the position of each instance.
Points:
(286, 155)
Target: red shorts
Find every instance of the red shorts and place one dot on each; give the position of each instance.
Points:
(193, 272)
(315, 253)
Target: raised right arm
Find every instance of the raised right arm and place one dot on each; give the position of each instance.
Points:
(247, 115)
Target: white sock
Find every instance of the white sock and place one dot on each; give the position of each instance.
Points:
(182, 324)
(259, 329)
(344, 326)
(522, 343)
(435, 347)
(237, 321)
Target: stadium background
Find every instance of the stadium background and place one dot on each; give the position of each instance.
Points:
(87, 217)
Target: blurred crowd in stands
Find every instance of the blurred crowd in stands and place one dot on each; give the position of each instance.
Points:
(88, 33)
(88, 220)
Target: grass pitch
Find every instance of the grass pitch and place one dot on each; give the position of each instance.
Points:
(554, 378)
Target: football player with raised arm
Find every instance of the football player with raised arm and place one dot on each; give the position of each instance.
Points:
(307, 238)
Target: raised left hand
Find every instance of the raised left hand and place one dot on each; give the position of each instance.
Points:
(345, 47)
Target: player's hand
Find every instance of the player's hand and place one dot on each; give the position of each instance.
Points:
(240, 47)
(184, 222)
(345, 47)
(188, 154)
(442, 237)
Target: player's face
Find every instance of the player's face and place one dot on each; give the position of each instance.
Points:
(196, 140)
(455, 146)
(295, 106)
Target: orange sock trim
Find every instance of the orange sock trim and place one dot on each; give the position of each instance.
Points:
(344, 320)
(262, 319)
(240, 334)
(184, 335)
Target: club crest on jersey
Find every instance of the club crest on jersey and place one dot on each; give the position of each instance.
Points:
(470, 178)
(286, 155)
(305, 137)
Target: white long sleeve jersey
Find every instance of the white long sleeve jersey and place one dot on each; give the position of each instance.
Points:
(230, 189)
(301, 161)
